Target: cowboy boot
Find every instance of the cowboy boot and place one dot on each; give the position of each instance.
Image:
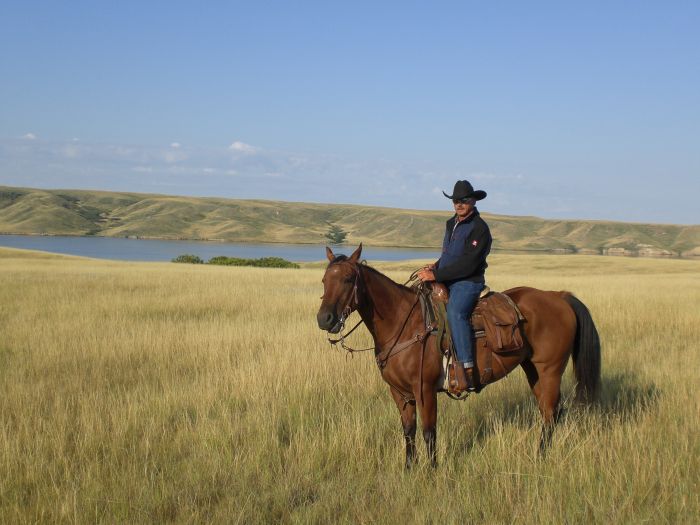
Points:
(471, 383)
(459, 381)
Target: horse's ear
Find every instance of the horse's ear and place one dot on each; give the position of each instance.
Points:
(356, 254)
(329, 254)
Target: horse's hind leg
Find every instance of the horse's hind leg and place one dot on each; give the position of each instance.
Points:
(549, 407)
(408, 422)
(545, 383)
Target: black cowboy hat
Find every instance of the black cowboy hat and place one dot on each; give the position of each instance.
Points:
(464, 190)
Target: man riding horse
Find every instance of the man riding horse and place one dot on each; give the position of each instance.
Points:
(461, 268)
(409, 355)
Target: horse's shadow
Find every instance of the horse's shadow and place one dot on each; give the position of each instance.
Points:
(623, 396)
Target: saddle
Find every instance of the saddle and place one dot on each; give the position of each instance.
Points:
(496, 322)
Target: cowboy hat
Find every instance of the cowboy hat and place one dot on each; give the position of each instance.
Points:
(464, 190)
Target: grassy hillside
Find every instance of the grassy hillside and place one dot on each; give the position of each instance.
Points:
(158, 392)
(110, 214)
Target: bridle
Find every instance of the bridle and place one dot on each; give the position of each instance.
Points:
(345, 313)
(383, 357)
(349, 308)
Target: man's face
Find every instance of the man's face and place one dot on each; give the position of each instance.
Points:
(463, 207)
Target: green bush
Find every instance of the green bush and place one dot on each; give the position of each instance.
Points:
(273, 262)
(228, 261)
(263, 262)
(188, 258)
(222, 260)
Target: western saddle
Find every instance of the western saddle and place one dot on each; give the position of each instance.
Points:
(496, 322)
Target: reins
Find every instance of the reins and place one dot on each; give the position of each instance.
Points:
(347, 348)
(348, 310)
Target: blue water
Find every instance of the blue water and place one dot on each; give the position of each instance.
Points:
(155, 250)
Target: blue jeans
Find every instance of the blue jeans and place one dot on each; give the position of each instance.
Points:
(463, 298)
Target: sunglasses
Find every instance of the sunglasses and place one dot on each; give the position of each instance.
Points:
(462, 201)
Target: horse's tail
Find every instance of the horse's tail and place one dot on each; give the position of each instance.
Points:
(586, 352)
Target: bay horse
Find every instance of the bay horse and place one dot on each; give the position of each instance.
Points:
(557, 326)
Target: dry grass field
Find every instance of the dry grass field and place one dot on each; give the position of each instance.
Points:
(148, 393)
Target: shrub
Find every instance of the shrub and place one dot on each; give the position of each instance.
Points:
(228, 261)
(273, 262)
(263, 262)
(188, 258)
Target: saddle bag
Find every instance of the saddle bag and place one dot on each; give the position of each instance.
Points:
(499, 318)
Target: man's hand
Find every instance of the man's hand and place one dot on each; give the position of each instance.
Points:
(426, 274)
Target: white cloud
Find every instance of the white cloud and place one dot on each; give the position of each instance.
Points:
(71, 151)
(174, 156)
(175, 145)
(242, 147)
(125, 152)
(29, 136)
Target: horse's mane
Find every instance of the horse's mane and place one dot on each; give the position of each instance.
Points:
(339, 258)
(344, 258)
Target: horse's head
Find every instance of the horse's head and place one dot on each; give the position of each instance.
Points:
(340, 284)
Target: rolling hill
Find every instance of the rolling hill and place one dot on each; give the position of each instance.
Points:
(114, 214)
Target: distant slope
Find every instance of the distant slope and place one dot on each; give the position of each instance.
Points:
(111, 214)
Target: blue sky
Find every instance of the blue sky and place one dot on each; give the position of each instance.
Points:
(555, 109)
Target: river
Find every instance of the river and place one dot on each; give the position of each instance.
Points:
(160, 250)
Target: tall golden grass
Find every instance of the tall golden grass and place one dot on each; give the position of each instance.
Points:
(143, 392)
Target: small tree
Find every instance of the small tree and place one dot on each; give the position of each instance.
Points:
(335, 234)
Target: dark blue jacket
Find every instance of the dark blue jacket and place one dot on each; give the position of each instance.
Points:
(464, 250)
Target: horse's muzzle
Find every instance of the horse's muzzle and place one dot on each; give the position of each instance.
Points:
(328, 321)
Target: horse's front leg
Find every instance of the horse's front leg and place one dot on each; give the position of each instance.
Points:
(408, 422)
(428, 417)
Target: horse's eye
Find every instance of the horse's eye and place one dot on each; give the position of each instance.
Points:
(349, 280)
